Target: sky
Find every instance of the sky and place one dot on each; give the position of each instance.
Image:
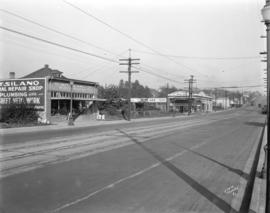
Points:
(216, 41)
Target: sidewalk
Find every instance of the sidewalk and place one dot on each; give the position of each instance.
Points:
(257, 204)
(78, 124)
(87, 123)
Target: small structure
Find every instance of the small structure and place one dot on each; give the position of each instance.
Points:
(179, 101)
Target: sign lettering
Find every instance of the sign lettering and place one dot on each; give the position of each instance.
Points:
(30, 91)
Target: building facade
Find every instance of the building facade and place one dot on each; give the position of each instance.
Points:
(179, 101)
(50, 92)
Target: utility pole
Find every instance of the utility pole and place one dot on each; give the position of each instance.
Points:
(70, 115)
(215, 99)
(266, 18)
(167, 98)
(190, 92)
(129, 72)
(225, 105)
(243, 97)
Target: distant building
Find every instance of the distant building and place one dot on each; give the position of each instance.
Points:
(179, 101)
(50, 91)
(222, 103)
(259, 101)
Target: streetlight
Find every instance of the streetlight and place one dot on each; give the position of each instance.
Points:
(70, 117)
(266, 18)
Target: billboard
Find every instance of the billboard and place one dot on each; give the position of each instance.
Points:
(31, 91)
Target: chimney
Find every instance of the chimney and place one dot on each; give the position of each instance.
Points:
(46, 66)
(11, 75)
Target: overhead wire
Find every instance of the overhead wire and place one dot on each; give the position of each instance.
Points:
(56, 44)
(55, 31)
(58, 32)
(39, 49)
(155, 74)
(74, 49)
(143, 69)
(235, 87)
(100, 48)
(94, 55)
(202, 58)
(128, 36)
(158, 69)
(103, 66)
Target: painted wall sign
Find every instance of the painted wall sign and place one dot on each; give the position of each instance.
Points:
(65, 87)
(23, 90)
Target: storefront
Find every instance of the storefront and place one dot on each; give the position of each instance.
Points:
(50, 92)
(179, 101)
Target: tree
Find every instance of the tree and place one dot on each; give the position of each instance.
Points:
(123, 89)
(165, 90)
(110, 92)
(22, 113)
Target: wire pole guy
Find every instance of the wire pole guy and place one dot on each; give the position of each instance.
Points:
(129, 72)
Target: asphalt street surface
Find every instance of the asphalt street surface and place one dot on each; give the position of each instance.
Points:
(180, 164)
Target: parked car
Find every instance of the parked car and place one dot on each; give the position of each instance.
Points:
(264, 109)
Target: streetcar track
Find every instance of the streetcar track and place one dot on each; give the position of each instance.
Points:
(92, 144)
(84, 144)
(67, 139)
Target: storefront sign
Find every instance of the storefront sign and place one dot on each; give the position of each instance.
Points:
(30, 91)
(149, 100)
(66, 87)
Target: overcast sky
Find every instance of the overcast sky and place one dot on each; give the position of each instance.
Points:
(217, 41)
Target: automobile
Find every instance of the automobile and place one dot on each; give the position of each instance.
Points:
(264, 109)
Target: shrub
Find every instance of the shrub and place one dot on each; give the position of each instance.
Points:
(19, 114)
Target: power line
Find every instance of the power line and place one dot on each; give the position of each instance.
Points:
(55, 31)
(57, 44)
(39, 49)
(203, 58)
(93, 69)
(154, 68)
(236, 87)
(103, 66)
(143, 69)
(128, 36)
(61, 33)
(89, 54)
(76, 50)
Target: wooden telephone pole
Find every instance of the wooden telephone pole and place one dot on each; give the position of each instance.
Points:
(190, 92)
(129, 72)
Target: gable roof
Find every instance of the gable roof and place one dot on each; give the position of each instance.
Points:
(45, 71)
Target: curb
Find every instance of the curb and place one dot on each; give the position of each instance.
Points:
(258, 195)
(242, 201)
(64, 125)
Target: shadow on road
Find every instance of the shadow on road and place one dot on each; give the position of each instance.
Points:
(259, 124)
(221, 204)
(236, 171)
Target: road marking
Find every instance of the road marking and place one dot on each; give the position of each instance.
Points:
(124, 179)
(232, 190)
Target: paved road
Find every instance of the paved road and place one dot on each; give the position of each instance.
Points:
(170, 165)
